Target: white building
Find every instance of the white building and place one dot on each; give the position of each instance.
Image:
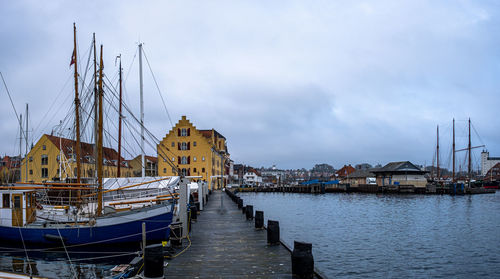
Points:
(487, 162)
(252, 178)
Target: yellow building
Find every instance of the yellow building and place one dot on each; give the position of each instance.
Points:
(151, 168)
(191, 152)
(53, 158)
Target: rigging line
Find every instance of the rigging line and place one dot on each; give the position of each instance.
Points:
(10, 98)
(131, 64)
(26, 252)
(159, 92)
(86, 67)
(477, 134)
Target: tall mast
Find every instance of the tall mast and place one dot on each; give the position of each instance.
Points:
(437, 152)
(26, 147)
(77, 109)
(20, 137)
(470, 157)
(142, 112)
(99, 143)
(95, 106)
(453, 173)
(120, 123)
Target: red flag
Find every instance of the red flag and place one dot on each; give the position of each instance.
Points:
(73, 58)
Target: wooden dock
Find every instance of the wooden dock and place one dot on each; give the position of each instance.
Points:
(225, 245)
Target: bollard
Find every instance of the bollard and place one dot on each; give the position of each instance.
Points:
(176, 234)
(249, 212)
(259, 219)
(153, 261)
(273, 232)
(302, 260)
(194, 212)
(240, 203)
(243, 209)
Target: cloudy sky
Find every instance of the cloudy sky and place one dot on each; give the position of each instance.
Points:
(291, 83)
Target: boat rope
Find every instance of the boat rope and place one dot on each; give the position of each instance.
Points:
(66, 250)
(25, 251)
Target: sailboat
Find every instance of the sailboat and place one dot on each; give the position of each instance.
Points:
(20, 225)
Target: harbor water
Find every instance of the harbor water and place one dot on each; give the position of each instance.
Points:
(391, 236)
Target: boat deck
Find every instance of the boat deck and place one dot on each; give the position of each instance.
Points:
(226, 245)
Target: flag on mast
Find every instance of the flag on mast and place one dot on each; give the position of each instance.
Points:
(73, 57)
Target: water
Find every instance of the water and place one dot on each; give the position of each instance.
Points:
(391, 236)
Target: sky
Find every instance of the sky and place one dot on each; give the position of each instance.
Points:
(288, 83)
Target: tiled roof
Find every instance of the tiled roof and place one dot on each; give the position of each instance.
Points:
(362, 173)
(87, 150)
(404, 166)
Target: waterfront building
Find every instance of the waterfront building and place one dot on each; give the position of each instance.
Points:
(194, 152)
(487, 162)
(400, 173)
(344, 172)
(252, 178)
(151, 168)
(54, 158)
(10, 169)
(493, 173)
(360, 176)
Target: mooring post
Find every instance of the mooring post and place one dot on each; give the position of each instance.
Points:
(183, 201)
(243, 209)
(201, 195)
(259, 219)
(273, 232)
(249, 212)
(143, 238)
(302, 260)
(153, 261)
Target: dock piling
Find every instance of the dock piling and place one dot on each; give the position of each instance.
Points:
(302, 260)
(273, 232)
(249, 212)
(259, 219)
(153, 261)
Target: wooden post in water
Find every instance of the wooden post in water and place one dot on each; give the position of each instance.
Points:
(143, 239)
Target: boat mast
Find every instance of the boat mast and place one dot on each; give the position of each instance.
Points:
(142, 111)
(77, 112)
(26, 140)
(470, 157)
(453, 173)
(437, 152)
(99, 143)
(95, 107)
(120, 123)
(20, 137)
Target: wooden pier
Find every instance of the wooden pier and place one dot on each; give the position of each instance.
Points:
(225, 245)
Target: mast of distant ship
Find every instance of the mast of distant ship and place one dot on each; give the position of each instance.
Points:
(143, 163)
(77, 111)
(120, 123)
(437, 152)
(95, 106)
(453, 173)
(470, 156)
(99, 142)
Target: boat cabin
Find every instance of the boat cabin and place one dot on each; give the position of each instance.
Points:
(18, 207)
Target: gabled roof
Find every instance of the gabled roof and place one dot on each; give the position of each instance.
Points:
(362, 174)
(399, 167)
(87, 150)
(208, 134)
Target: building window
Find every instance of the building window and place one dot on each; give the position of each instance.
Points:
(31, 172)
(184, 172)
(164, 170)
(173, 144)
(194, 143)
(184, 146)
(194, 170)
(173, 159)
(74, 172)
(183, 132)
(203, 158)
(184, 160)
(6, 201)
(45, 159)
(45, 172)
(31, 159)
(202, 169)
(44, 147)
(173, 170)
(194, 159)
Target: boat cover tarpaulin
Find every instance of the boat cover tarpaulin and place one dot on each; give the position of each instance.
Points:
(165, 182)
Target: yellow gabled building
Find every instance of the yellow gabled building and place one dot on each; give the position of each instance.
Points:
(53, 158)
(189, 151)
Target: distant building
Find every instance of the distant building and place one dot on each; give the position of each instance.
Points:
(487, 162)
(252, 178)
(360, 176)
(402, 173)
(363, 166)
(493, 173)
(344, 172)
(10, 170)
(151, 168)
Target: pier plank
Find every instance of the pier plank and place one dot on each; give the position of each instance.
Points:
(225, 245)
